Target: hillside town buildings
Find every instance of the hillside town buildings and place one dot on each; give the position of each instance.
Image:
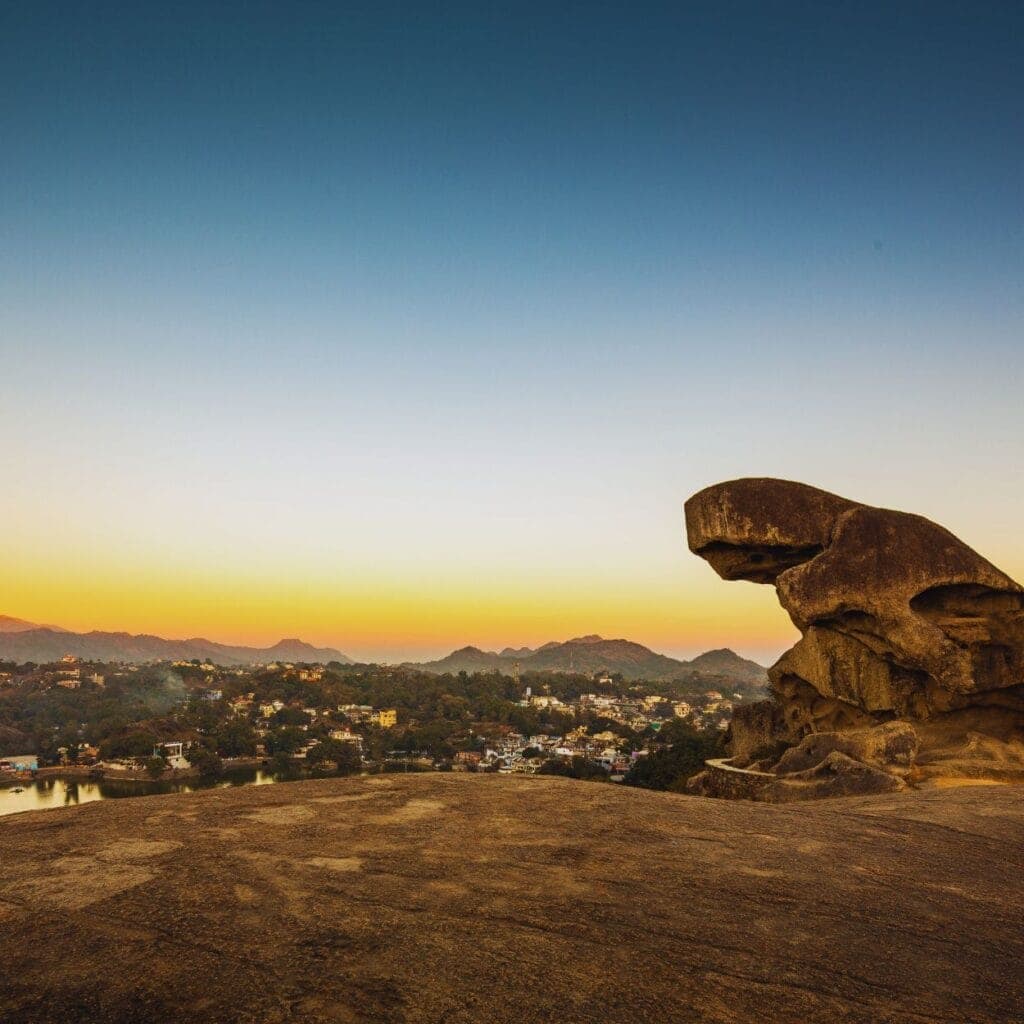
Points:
(609, 726)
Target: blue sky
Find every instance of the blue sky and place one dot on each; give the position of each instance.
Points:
(459, 303)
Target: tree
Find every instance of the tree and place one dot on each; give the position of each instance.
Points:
(669, 765)
(134, 744)
(204, 715)
(286, 740)
(291, 716)
(155, 766)
(576, 768)
(205, 761)
(348, 760)
(235, 737)
(343, 754)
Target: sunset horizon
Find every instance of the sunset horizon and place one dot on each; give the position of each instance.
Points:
(511, 513)
(683, 612)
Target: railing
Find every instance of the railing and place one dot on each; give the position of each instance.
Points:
(726, 781)
(722, 764)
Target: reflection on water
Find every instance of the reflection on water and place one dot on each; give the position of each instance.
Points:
(51, 792)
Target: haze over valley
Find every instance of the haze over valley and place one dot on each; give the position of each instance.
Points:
(23, 641)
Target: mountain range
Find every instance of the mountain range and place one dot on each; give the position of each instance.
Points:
(590, 654)
(9, 624)
(22, 641)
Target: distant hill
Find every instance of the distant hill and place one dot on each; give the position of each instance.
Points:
(468, 659)
(724, 662)
(22, 641)
(9, 624)
(590, 654)
(45, 644)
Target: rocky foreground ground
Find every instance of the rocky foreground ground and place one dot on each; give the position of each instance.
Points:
(484, 899)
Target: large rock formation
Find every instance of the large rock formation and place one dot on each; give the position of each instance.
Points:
(900, 619)
(421, 899)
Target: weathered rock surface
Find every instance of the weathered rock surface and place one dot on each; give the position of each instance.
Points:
(861, 762)
(836, 774)
(899, 618)
(892, 746)
(756, 730)
(479, 898)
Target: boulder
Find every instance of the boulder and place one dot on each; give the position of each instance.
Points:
(978, 757)
(754, 731)
(836, 775)
(899, 620)
(892, 747)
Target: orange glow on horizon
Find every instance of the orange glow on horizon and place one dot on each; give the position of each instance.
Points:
(385, 620)
(392, 610)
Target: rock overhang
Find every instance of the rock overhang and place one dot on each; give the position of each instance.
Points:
(899, 618)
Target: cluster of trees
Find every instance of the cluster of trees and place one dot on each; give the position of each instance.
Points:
(677, 753)
(574, 768)
(438, 715)
(338, 755)
(37, 715)
(208, 724)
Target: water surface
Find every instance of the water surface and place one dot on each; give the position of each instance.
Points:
(49, 793)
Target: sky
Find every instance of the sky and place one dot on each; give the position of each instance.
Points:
(399, 327)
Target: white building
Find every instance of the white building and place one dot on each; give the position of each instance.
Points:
(173, 754)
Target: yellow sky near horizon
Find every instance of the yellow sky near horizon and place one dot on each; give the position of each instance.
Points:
(413, 581)
(679, 608)
(387, 619)
(407, 583)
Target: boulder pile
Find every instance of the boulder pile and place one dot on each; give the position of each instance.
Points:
(901, 623)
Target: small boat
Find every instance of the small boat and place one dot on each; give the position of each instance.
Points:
(18, 789)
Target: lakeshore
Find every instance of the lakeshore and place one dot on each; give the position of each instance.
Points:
(55, 788)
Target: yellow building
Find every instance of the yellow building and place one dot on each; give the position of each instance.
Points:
(385, 718)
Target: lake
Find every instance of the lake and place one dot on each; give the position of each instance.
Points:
(55, 792)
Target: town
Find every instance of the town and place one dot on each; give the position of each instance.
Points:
(192, 718)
